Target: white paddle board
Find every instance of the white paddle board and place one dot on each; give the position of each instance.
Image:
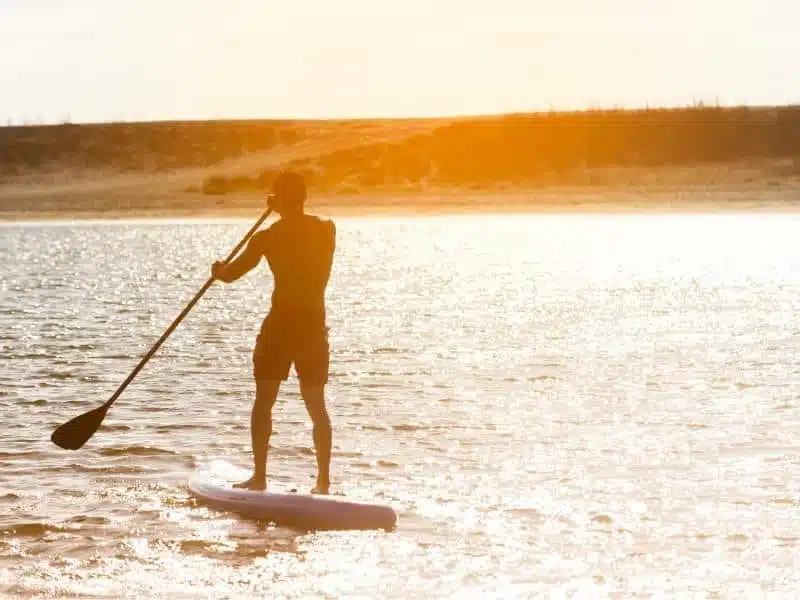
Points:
(212, 484)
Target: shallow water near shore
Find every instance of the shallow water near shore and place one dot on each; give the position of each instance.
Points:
(557, 406)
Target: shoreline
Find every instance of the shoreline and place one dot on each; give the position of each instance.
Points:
(785, 201)
(701, 189)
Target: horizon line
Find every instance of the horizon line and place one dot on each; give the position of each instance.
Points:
(634, 108)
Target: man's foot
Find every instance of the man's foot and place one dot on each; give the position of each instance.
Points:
(257, 484)
(321, 488)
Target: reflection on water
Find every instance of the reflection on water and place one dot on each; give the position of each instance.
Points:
(602, 406)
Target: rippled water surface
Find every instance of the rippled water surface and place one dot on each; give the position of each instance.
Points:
(556, 406)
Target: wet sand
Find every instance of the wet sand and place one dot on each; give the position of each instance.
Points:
(782, 196)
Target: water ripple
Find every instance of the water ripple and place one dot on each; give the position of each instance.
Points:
(556, 406)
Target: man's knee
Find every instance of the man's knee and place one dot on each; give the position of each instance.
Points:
(266, 393)
(314, 398)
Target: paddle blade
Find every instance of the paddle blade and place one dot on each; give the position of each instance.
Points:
(75, 433)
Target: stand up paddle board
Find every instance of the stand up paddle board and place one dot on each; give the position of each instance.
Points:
(213, 486)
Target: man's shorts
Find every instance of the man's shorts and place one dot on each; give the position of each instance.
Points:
(283, 342)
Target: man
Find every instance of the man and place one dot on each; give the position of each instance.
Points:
(299, 248)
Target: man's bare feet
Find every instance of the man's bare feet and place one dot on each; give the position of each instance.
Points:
(321, 488)
(257, 484)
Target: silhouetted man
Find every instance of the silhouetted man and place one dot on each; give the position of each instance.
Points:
(299, 248)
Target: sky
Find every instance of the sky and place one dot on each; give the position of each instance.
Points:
(134, 60)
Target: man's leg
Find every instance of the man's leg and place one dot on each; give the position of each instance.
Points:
(260, 432)
(314, 397)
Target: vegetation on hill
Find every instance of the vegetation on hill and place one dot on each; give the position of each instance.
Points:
(527, 149)
(546, 148)
(136, 147)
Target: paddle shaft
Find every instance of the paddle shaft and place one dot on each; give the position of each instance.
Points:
(184, 312)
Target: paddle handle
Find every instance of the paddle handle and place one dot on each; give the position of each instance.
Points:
(184, 312)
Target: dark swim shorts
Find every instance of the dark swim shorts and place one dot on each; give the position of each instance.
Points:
(286, 341)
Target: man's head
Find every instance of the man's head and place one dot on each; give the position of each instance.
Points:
(289, 193)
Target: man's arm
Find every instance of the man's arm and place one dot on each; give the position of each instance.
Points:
(242, 264)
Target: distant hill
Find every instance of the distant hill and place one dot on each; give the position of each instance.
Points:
(40, 166)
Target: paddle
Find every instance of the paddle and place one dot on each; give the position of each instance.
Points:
(75, 433)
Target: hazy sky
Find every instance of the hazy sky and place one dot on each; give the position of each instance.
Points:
(101, 60)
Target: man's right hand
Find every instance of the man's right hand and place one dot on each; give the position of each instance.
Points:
(218, 271)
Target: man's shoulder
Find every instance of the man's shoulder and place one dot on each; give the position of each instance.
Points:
(263, 234)
(309, 224)
(323, 222)
(320, 218)
(261, 238)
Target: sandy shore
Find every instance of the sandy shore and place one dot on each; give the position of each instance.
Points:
(700, 199)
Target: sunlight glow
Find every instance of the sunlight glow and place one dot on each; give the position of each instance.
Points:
(142, 60)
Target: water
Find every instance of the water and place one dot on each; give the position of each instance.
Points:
(557, 406)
